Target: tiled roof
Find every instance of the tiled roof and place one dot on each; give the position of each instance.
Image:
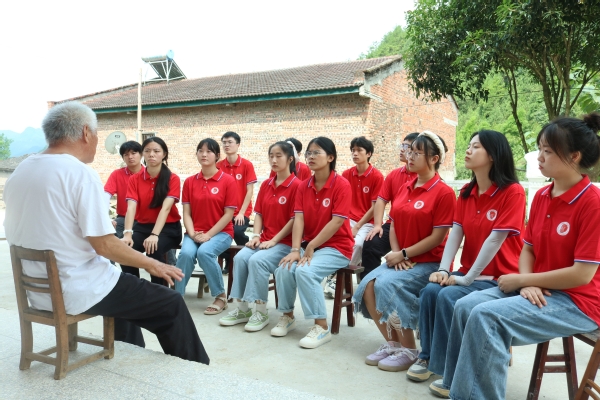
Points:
(310, 78)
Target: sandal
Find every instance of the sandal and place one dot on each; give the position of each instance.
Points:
(214, 308)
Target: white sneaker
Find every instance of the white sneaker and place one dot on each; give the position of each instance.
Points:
(315, 337)
(257, 321)
(330, 288)
(284, 325)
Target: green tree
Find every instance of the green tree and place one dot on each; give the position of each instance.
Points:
(393, 43)
(4, 147)
(455, 45)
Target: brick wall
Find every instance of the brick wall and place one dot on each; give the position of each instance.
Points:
(385, 117)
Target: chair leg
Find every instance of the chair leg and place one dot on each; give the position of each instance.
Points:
(62, 351)
(109, 337)
(590, 372)
(537, 373)
(275, 290)
(571, 367)
(337, 302)
(73, 337)
(26, 344)
(350, 308)
(230, 277)
(201, 283)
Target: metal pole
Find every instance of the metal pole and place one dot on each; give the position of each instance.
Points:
(139, 110)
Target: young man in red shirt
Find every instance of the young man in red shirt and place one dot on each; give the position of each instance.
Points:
(242, 171)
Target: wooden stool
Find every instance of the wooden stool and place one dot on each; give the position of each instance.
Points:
(233, 250)
(588, 387)
(567, 358)
(344, 290)
(65, 325)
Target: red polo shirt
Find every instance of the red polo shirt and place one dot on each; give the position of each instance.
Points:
(365, 189)
(420, 210)
(208, 199)
(243, 173)
(396, 179)
(141, 190)
(319, 207)
(275, 205)
(302, 172)
(495, 210)
(117, 183)
(564, 230)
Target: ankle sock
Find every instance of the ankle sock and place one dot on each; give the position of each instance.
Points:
(262, 307)
(243, 306)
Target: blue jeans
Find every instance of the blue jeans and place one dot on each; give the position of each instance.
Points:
(487, 323)
(252, 271)
(396, 292)
(435, 317)
(307, 279)
(206, 253)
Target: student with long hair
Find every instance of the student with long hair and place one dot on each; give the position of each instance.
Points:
(321, 243)
(209, 199)
(556, 292)
(377, 242)
(152, 221)
(489, 216)
(390, 294)
(270, 242)
(302, 170)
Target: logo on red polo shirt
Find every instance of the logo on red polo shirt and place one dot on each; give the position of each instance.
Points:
(419, 204)
(366, 189)
(326, 202)
(214, 190)
(282, 200)
(492, 214)
(238, 177)
(563, 228)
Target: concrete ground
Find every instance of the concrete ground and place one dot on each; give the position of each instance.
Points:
(249, 365)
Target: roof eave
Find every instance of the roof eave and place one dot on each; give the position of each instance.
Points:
(246, 99)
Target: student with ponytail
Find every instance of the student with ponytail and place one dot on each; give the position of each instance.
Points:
(152, 222)
(270, 242)
(489, 216)
(556, 293)
(421, 217)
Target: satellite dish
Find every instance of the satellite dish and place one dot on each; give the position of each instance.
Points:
(114, 141)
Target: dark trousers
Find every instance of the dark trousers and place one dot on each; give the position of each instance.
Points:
(169, 238)
(374, 249)
(136, 303)
(239, 237)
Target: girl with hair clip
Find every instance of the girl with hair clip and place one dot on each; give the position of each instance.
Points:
(302, 171)
(556, 292)
(209, 199)
(270, 242)
(322, 243)
(489, 215)
(421, 216)
(152, 222)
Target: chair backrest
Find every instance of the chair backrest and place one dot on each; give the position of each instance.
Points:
(50, 285)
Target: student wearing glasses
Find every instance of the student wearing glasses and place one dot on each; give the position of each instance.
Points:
(390, 294)
(242, 171)
(322, 243)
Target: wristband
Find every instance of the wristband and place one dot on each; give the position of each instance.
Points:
(295, 249)
(128, 231)
(254, 235)
(405, 255)
(153, 234)
(444, 270)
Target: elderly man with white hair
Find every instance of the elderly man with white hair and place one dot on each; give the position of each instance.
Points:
(54, 201)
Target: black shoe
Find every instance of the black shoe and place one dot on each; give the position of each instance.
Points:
(226, 270)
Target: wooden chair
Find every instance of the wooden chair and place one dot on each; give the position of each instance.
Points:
(344, 290)
(65, 325)
(568, 366)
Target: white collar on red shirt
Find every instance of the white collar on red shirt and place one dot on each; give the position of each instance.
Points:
(427, 186)
(367, 172)
(571, 195)
(490, 192)
(237, 162)
(330, 180)
(128, 172)
(285, 183)
(214, 177)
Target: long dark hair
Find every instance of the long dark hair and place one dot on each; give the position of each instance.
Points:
(328, 146)
(567, 135)
(503, 171)
(164, 176)
(288, 150)
(429, 148)
(212, 145)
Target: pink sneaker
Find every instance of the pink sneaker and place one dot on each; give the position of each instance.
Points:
(400, 360)
(383, 352)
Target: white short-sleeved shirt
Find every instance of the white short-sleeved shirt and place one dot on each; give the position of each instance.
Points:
(54, 202)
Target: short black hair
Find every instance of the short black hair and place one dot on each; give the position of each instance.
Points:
(363, 142)
(230, 134)
(328, 146)
(411, 136)
(132, 145)
(296, 142)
